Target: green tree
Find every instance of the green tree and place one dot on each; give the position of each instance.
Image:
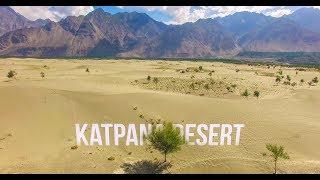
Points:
(166, 139)
(277, 152)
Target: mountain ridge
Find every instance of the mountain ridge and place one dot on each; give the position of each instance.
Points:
(132, 34)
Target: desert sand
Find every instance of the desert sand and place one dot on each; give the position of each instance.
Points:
(37, 115)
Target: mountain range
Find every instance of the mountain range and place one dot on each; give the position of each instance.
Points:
(101, 34)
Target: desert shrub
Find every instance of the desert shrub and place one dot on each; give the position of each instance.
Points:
(111, 158)
(315, 80)
(256, 94)
(246, 93)
(288, 78)
(149, 78)
(277, 152)
(301, 69)
(280, 72)
(293, 84)
(233, 86)
(200, 68)
(11, 74)
(166, 139)
(210, 74)
(74, 147)
(237, 70)
(301, 81)
(286, 83)
(155, 80)
(311, 83)
(192, 86)
(206, 86)
(42, 74)
(87, 70)
(278, 79)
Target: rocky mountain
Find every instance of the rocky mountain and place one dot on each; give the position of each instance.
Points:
(101, 34)
(241, 23)
(11, 20)
(283, 35)
(124, 34)
(204, 38)
(308, 18)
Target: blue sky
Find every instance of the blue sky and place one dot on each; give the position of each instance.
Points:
(166, 14)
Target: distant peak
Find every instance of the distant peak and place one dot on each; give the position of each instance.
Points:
(133, 14)
(99, 11)
(307, 10)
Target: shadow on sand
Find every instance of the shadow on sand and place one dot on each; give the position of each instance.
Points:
(146, 167)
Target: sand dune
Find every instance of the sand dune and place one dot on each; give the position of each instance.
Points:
(38, 114)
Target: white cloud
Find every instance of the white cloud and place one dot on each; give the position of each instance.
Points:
(177, 14)
(55, 13)
(183, 14)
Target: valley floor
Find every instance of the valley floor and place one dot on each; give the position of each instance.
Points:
(37, 115)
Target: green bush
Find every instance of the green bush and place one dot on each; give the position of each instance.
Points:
(155, 80)
(256, 94)
(315, 80)
(11, 74)
(42, 74)
(246, 93)
(288, 78)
